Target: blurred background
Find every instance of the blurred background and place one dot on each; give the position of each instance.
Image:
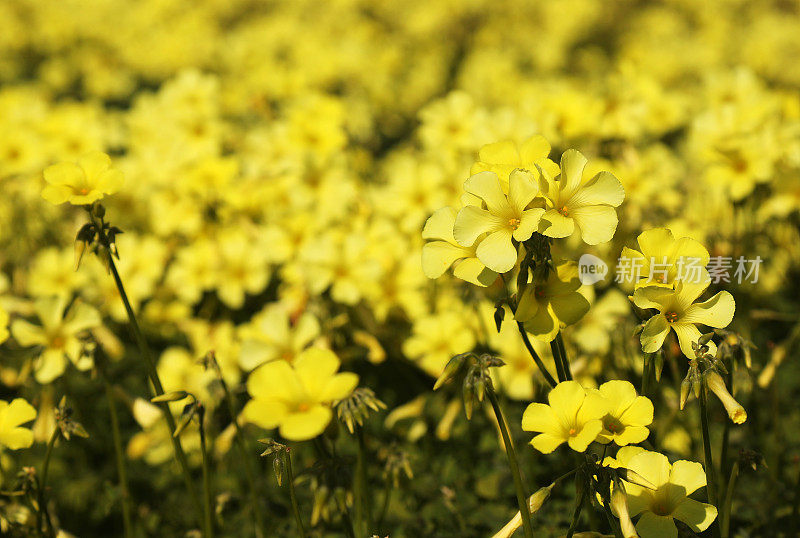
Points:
(281, 159)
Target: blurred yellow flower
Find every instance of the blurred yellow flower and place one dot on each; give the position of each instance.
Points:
(628, 415)
(573, 416)
(3, 325)
(506, 217)
(296, 397)
(588, 204)
(546, 306)
(59, 335)
(716, 385)
(12, 416)
(81, 183)
(678, 311)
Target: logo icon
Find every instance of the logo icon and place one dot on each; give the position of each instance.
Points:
(591, 269)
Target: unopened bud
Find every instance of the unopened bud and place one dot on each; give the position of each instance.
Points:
(450, 369)
(619, 505)
(716, 384)
(635, 478)
(468, 392)
(686, 388)
(173, 396)
(535, 502)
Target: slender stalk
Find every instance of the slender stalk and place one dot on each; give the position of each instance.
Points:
(563, 352)
(512, 462)
(157, 388)
(726, 509)
(535, 356)
(240, 441)
(387, 495)
(360, 489)
(647, 373)
(122, 471)
(43, 512)
(711, 481)
(287, 459)
(726, 434)
(208, 521)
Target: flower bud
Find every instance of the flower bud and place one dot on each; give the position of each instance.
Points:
(716, 384)
(619, 505)
(686, 387)
(535, 502)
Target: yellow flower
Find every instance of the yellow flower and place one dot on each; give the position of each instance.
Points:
(669, 500)
(587, 203)
(573, 416)
(678, 311)
(504, 157)
(59, 335)
(546, 306)
(82, 183)
(628, 416)
(663, 259)
(296, 397)
(442, 251)
(507, 217)
(12, 415)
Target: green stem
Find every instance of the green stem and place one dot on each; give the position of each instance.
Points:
(387, 495)
(287, 459)
(208, 522)
(726, 514)
(512, 462)
(535, 356)
(360, 497)
(43, 511)
(726, 434)
(157, 388)
(122, 471)
(711, 481)
(647, 373)
(240, 441)
(563, 351)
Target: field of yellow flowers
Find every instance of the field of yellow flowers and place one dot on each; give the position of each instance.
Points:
(399, 268)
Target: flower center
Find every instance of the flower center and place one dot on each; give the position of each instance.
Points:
(303, 407)
(564, 211)
(572, 431)
(612, 425)
(514, 223)
(672, 317)
(660, 508)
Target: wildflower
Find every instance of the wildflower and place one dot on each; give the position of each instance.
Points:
(554, 302)
(437, 338)
(573, 416)
(504, 157)
(678, 311)
(297, 397)
(716, 384)
(81, 183)
(506, 217)
(442, 251)
(587, 203)
(12, 415)
(683, 258)
(628, 416)
(669, 500)
(272, 334)
(59, 335)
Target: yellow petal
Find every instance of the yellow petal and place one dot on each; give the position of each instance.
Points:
(473, 222)
(689, 475)
(651, 525)
(64, 174)
(533, 150)
(697, 515)
(654, 333)
(554, 224)
(522, 189)
(597, 223)
(440, 225)
(572, 165)
(716, 312)
(497, 252)
(504, 152)
(546, 443)
(486, 185)
(539, 417)
(301, 426)
(438, 256)
(94, 163)
(267, 414)
(602, 189)
(274, 380)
